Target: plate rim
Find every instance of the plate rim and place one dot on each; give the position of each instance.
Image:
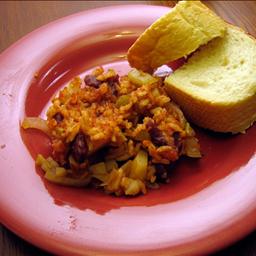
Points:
(22, 40)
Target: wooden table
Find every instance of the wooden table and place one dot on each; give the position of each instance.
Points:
(19, 18)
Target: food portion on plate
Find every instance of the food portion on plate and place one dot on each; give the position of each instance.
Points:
(121, 134)
(216, 88)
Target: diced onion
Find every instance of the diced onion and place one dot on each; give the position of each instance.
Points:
(67, 181)
(192, 148)
(139, 165)
(36, 123)
(140, 78)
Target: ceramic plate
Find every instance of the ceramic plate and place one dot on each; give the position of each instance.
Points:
(207, 204)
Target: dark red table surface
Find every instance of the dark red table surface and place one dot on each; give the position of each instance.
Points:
(18, 18)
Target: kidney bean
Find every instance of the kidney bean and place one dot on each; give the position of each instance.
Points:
(58, 117)
(66, 165)
(113, 80)
(150, 124)
(161, 173)
(112, 83)
(91, 80)
(79, 148)
(157, 137)
(176, 137)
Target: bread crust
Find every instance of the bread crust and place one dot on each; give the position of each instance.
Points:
(176, 34)
(233, 116)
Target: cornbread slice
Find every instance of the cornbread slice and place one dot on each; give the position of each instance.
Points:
(178, 33)
(216, 88)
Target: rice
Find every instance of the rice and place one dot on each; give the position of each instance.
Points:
(115, 132)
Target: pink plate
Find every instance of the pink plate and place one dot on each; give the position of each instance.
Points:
(209, 202)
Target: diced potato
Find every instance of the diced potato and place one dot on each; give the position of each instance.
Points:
(132, 187)
(46, 166)
(113, 182)
(139, 78)
(99, 171)
(139, 166)
(40, 159)
(52, 162)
